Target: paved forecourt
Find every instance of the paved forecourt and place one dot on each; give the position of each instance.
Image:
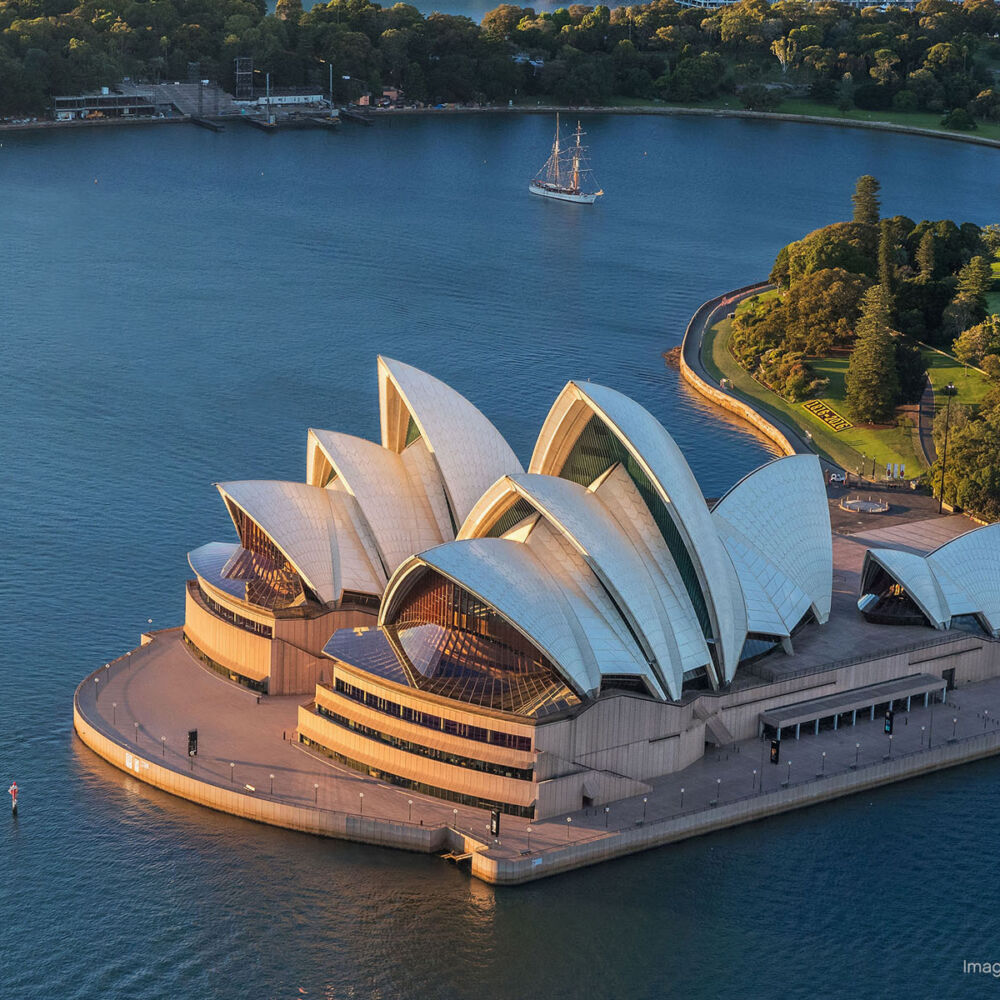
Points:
(141, 708)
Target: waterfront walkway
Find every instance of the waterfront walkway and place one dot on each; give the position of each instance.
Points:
(146, 702)
(703, 320)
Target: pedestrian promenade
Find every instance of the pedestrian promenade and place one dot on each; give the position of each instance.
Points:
(147, 701)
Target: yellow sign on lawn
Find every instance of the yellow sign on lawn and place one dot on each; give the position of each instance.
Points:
(828, 415)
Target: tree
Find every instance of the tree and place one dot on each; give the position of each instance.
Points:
(991, 238)
(887, 261)
(926, 256)
(872, 382)
(979, 342)
(288, 10)
(911, 370)
(866, 201)
(976, 279)
(822, 310)
(785, 50)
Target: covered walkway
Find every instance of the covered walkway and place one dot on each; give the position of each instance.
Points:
(892, 694)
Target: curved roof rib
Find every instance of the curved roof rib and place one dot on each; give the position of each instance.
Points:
(775, 523)
(627, 573)
(967, 570)
(655, 453)
(914, 574)
(320, 532)
(471, 453)
(394, 504)
(542, 601)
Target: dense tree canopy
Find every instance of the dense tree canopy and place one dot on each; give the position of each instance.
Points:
(934, 57)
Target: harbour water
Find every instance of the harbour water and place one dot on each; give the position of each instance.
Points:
(179, 307)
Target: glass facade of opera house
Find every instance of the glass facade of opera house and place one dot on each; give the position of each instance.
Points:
(522, 640)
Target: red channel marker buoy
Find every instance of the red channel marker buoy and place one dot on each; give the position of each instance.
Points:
(13, 797)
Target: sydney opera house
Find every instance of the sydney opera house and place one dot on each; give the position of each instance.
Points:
(521, 640)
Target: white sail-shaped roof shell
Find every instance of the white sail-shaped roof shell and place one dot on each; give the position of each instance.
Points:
(470, 452)
(663, 463)
(914, 574)
(547, 603)
(961, 577)
(775, 524)
(394, 503)
(320, 532)
(640, 594)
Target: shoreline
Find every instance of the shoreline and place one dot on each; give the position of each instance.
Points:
(545, 847)
(666, 111)
(787, 437)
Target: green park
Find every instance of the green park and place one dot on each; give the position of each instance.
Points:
(879, 337)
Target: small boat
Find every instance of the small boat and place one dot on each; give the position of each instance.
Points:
(566, 173)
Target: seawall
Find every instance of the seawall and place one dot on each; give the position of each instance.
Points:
(515, 871)
(551, 846)
(694, 373)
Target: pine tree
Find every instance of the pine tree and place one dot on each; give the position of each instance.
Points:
(926, 256)
(872, 381)
(887, 262)
(976, 278)
(865, 198)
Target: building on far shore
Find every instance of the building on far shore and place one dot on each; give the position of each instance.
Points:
(105, 104)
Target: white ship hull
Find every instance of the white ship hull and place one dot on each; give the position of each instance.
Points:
(580, 199)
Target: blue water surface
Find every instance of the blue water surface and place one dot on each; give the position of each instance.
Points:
(178, 308)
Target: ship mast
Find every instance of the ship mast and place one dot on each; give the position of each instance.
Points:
(576, 160)
(555, 152)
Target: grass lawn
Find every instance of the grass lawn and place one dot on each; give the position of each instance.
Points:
(889, 444)
(914, 119)
(793, 106)
(942, 368)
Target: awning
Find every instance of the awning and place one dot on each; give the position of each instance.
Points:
(850, 701)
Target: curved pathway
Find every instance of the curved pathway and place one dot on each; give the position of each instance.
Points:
(784, 434)
(925, 424)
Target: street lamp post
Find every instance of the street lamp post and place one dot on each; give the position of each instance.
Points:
(949, 390)
(163, 744)
(823, 771)
(922, 736)
(986, 717)
(682, 798)
(361, 796)
(718, 790)
(607, 810)
(232, 772)
(316, 793)
(271, 776)
(753, 783)
(529, 838)
(644, 809)
(857, 753)
(114, 714)
(788, 780)
(954, 727)
(409, 814)
(136, 727)
(890, 746)
(569, 820)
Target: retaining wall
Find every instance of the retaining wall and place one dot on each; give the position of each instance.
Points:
(691, 348)
(511, 871)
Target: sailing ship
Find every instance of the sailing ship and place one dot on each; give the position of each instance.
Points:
(566, 172)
